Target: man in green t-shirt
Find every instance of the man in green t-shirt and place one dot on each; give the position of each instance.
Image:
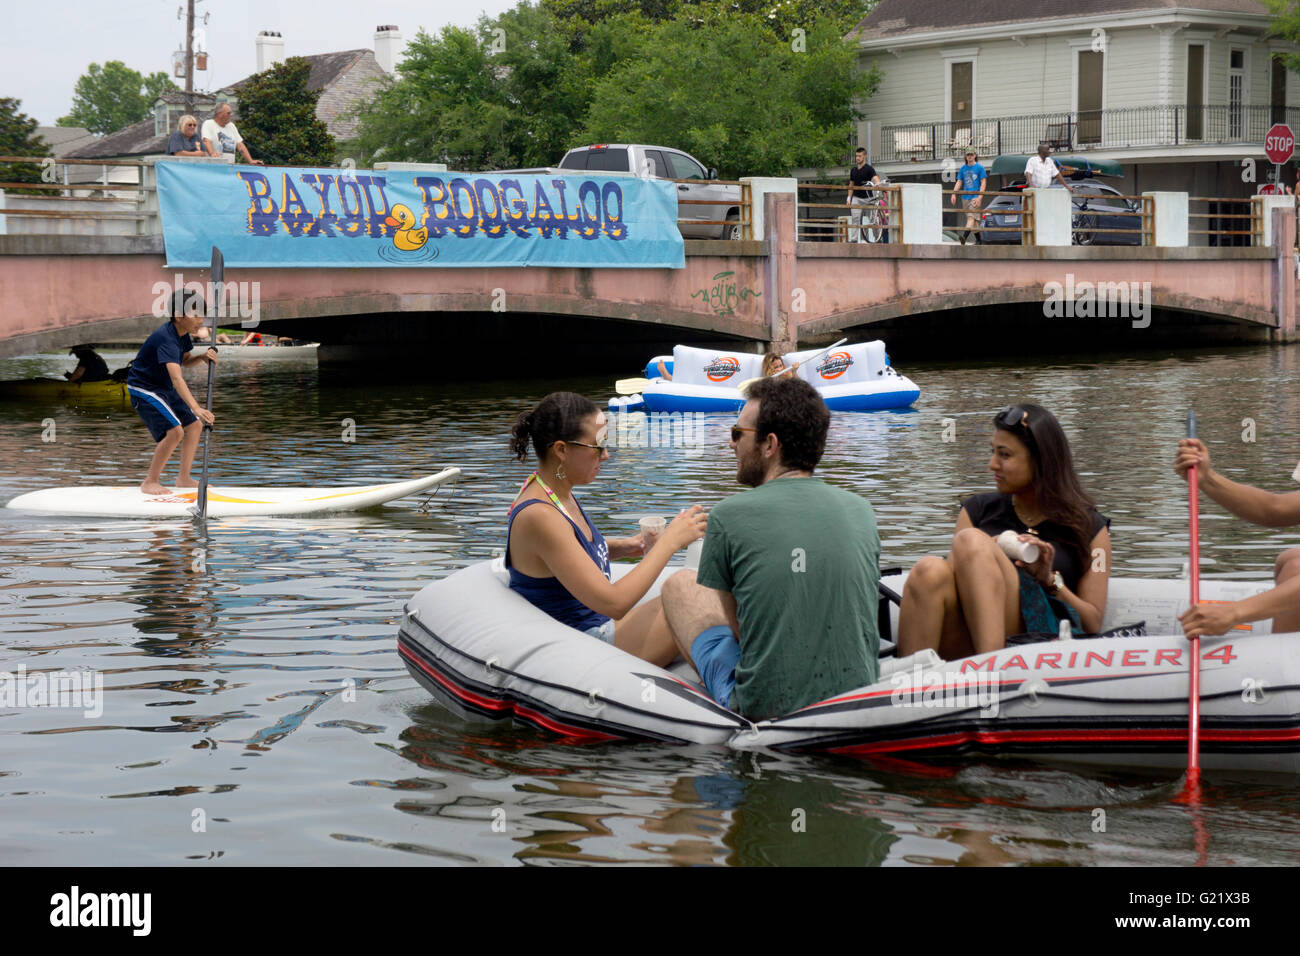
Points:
(782, 612)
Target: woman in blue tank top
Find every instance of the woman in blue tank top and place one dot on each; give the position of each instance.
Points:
(556, 557)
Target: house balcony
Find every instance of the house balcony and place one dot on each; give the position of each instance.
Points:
(1135, 133)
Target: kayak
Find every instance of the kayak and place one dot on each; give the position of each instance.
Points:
(58, 389)
(486, 654)
(265, 352)
(223, 501)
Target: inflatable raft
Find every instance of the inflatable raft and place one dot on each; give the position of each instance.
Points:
(487, 654)
(855, 378)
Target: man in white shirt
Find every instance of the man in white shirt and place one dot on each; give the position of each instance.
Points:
(1042, 169)
(222, 139)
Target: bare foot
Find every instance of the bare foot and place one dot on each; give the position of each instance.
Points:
(153, 488)
(186, 483)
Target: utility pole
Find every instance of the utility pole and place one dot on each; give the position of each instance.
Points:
(189, 57)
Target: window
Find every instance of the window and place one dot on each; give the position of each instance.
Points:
(658, 167)
(575, 160)
(613, 160)
(1195, 91)
(684, 167)
(1277, 91)
(961, 93)
(1236, 92)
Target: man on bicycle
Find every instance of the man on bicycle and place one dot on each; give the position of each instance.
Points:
(860, 176)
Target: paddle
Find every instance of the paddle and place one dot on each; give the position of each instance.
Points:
(1194, 672)
(631, 386)
(218, 274)
(811, 358)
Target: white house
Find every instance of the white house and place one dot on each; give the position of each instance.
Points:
(1179, 92)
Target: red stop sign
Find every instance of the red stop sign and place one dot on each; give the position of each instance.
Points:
(1279, 143)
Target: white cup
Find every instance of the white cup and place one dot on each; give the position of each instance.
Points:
(693, 554)
(652, 526)
(1017, 550)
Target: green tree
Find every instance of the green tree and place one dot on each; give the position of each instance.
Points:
(277, 117)
(502, 95)
(112, 97)
(780, 16)
(735, 95)
(18, 138)
(1286, 24)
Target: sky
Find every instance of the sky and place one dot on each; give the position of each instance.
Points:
(45, 47)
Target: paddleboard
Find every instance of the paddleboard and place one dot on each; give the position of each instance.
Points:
(223, 501)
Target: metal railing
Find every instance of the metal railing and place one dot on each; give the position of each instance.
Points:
(959, 214)
(1067, 131)
(881, 216)
(746, 205)
(1227, 222)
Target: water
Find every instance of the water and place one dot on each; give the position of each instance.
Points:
(256, 712)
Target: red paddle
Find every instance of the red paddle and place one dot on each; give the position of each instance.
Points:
(1194, 673)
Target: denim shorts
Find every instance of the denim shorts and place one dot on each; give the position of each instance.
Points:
(603, 632)
(716, 653)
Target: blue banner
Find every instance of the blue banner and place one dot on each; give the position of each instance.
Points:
(277, 217)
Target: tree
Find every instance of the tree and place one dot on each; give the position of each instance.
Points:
(735, 95)
(277, 117)
(18, 138)
(112, 97)
(1286, 24)
(502, 95)
(780, 16)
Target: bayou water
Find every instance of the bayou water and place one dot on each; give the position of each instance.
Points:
(255, 710)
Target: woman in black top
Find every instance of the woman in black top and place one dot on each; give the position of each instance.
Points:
(969, 602)
(185, 141)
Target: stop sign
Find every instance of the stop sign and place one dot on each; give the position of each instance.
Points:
(1279, 143)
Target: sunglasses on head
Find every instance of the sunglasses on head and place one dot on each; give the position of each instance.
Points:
(1012, 417)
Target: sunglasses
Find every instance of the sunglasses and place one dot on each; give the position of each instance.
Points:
(604, 447)
(737, 431)
(1012, 417)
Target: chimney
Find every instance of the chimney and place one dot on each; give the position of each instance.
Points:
(270, 49)
(388, 47)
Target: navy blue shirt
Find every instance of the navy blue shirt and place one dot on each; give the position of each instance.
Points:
(149, 370)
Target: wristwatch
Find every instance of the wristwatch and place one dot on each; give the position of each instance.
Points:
(1058, 582)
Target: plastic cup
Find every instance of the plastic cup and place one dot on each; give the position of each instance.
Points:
(652, 526)
(693, 551)
(1017, 550)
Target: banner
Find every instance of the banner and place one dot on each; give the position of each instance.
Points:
(278, 217)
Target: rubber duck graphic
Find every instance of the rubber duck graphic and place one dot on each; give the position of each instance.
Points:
(406, 238)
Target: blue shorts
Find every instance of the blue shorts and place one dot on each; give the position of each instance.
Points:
(716, 652)
(161, 409)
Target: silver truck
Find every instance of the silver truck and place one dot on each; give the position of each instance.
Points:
(659, 162)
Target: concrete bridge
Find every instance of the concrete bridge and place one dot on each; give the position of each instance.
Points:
(58, 290)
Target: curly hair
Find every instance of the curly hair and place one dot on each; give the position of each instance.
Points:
(792, 409)
(557, 417)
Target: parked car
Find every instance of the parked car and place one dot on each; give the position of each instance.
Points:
(660, 162)
(1097, 206)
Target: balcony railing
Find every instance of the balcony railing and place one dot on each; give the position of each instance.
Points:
(1070, 131)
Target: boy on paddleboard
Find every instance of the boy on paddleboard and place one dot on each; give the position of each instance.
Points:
(162, 399)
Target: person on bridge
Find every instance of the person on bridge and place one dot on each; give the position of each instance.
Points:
(1040, 170)
(556, 557)
(1265, 508)
(860, 176)
(969, 602)
(185, 141)
(970, 176)
(782, 611)
(90, 366)
(221, 137)
(162, 399)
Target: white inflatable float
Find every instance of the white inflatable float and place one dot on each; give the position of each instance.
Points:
(487, 654)
(851, 378)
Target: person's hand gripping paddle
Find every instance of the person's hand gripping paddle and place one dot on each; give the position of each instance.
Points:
(218, 273)
(812, 358)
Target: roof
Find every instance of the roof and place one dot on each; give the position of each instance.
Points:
(138, 139)
(895, 18)
(63, 139)
(325, 68)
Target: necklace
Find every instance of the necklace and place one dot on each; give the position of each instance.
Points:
(1025, 521)
(555, 499)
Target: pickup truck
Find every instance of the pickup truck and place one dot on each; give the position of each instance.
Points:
(659, 162)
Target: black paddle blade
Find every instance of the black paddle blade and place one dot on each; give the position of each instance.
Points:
(218, 265)
(1191, 424)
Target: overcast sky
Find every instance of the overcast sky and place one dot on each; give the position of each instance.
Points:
(45, 47)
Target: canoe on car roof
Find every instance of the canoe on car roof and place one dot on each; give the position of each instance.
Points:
(1013, 164)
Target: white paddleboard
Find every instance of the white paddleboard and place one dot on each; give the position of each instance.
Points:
(223, 501)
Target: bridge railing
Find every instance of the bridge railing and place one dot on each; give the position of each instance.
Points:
(746, 213)
(77, 197)
(1226, 222)
(1019, 230)
(880, 217)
